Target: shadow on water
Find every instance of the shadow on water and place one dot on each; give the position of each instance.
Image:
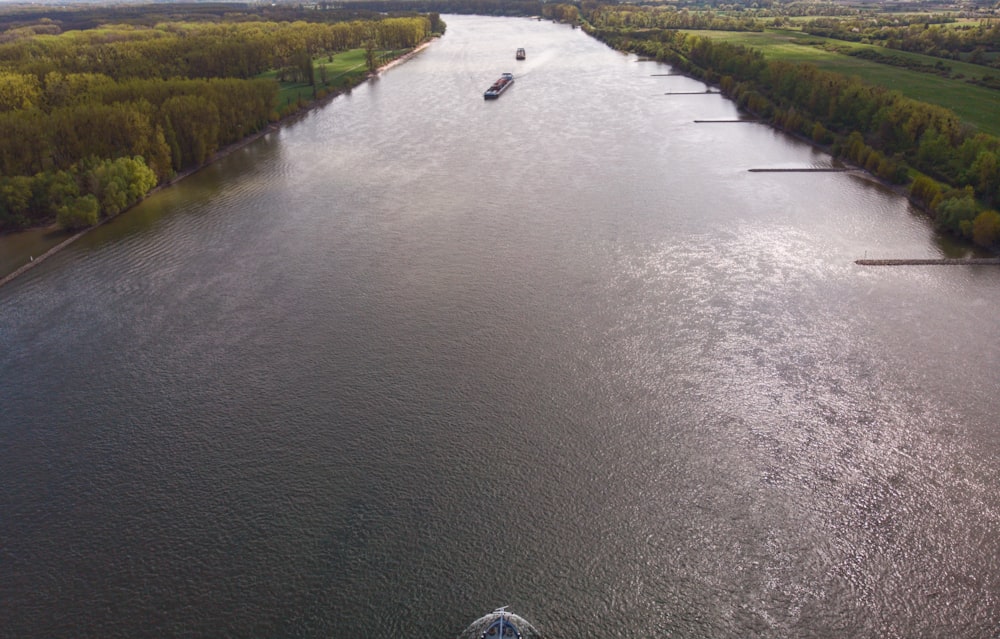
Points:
(17, 249)
(201, 187)
(953, 248)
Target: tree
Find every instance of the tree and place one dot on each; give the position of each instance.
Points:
(986, 228)
(192, 123)
(119, 183)
(370, 61)
(80, 213)
(934, 153)
(957, 210)
(18, 91)
(925, 190)
(304, 66)
(986, 176)
(15, 201)
(436, 24)
(50, 191)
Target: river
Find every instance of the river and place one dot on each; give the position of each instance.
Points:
(418, 355)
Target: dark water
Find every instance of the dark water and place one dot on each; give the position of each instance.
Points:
(420, 355)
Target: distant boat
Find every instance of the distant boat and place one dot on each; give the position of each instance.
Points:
(501, 627)
(499, 86)
(520, 55)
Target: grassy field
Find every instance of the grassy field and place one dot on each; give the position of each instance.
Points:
(339, 71)
(978, 106)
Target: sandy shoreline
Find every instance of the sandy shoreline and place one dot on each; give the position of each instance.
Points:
(218, 155)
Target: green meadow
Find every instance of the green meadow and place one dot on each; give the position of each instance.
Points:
(332, 72)
(978, 106)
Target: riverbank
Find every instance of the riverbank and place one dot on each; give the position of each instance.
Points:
(757, 84)
(28, 260)
(843, 165)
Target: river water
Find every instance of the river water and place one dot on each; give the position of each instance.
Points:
(419, 355)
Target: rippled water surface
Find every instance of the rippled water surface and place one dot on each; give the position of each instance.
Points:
(419, 355)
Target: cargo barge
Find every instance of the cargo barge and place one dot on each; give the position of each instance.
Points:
(499, 86)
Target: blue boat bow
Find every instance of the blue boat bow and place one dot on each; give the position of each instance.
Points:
(502, 626)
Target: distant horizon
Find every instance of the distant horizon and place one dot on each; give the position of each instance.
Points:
(66, 3)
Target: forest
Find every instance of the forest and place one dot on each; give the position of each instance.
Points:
(948, 167)
(92, 119)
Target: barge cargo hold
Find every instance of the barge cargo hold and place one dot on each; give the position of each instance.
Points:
(499, 86)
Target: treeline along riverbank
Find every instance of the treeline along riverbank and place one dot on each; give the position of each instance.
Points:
(947, 167)
(91, 120)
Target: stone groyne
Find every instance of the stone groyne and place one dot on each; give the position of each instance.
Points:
(825, 169)
(35, 261)
(944, 261)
